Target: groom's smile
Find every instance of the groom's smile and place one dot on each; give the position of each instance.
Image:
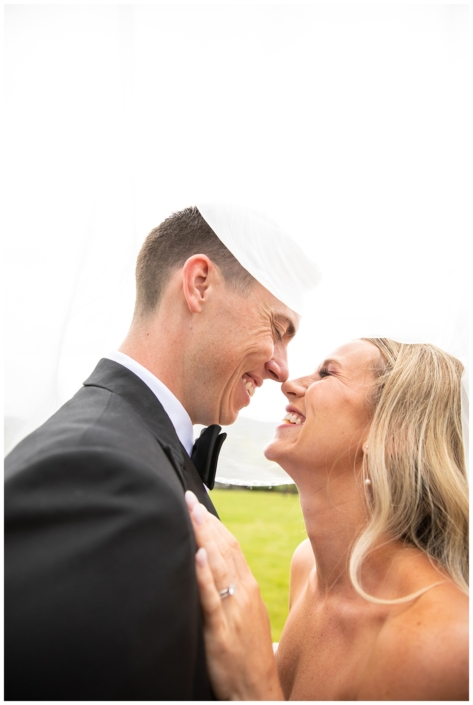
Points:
(249, 384)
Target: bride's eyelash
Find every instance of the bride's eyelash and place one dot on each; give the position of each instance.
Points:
(323, 372)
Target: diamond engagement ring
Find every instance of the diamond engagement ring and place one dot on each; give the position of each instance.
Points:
(230, 590)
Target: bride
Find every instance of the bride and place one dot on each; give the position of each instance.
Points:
(378, 590)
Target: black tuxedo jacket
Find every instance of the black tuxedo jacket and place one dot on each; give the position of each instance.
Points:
(101, 600)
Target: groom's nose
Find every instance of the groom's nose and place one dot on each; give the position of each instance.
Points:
(277, 368)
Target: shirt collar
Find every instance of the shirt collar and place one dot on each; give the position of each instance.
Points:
(179, 417)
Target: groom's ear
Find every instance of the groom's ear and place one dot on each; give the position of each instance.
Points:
(199, 278)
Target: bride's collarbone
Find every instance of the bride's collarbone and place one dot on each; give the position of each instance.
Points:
(326, 644)
(330, 646)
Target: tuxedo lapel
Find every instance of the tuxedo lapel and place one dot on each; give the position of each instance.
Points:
(119, 380)
(194, 483)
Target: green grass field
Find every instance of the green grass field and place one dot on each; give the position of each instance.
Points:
(269, 526)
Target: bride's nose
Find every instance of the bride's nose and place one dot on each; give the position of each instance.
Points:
(293, 388)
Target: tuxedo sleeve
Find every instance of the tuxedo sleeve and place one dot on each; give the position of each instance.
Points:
(101, 601)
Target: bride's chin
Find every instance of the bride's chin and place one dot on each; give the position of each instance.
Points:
(271, 451)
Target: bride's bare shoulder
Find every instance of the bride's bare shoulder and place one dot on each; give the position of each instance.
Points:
(421, 653)
(302, 564)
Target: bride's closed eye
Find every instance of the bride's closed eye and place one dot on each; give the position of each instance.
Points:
(323, 372)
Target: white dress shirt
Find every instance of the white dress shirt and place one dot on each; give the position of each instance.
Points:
(180, 419)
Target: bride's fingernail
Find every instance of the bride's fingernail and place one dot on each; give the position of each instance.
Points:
(191, 499)
(198, 514)
(201, 557)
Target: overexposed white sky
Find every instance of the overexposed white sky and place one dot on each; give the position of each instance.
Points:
(347, 124)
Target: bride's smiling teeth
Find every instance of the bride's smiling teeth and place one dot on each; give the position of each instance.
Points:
(249, 385)
(294, 418)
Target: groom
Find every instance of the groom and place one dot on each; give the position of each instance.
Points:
(101, 601)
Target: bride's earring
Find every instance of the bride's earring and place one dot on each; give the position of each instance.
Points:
(367, 481)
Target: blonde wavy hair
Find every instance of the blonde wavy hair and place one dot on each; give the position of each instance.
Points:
(418, 491)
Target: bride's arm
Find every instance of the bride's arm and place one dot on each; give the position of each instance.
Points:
(236, 629)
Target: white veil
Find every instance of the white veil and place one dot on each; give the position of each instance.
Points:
(355, 147)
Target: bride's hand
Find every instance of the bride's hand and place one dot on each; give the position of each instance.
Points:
(237, 633)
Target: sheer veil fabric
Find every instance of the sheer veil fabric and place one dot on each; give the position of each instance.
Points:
(274, 259)
(309, 113)
(279, 264)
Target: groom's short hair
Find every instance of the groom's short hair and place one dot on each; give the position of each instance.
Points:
(169, 245)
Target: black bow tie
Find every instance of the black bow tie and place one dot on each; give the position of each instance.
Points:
(205, 453)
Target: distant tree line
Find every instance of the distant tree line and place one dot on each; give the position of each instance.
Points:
(282, 489)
